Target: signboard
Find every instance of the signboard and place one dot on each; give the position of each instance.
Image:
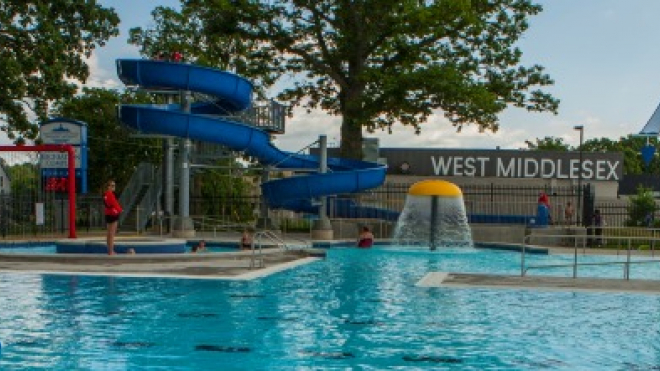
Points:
(54, 165)
(59, 160)
(504, 163)
(63, 131)
(607, 166)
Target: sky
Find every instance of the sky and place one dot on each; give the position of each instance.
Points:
(602, 55)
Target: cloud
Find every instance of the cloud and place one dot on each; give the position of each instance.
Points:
(100, 77)
(304, 129)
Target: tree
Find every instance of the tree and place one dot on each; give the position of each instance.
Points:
(43, 46)
(223, 193)
(548, 144)
(629, 146)
(378, 62)
(183, 32)
(113, 154)
(641, 206)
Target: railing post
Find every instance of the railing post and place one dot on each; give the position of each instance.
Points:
(522, 258)
(626, 271)
(575, 258)
(137, 219)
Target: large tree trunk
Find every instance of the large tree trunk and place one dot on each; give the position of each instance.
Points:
(351, 125)
(351, 138)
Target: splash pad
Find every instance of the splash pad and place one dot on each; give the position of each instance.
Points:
(434, 215)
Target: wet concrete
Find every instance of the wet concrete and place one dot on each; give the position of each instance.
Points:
(492, 281)
(235, 265)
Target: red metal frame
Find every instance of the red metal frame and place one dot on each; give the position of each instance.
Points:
(71, 163)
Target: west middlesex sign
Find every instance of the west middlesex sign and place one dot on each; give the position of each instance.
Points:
(504, 163)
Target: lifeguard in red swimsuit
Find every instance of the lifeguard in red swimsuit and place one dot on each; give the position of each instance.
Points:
(112, 211)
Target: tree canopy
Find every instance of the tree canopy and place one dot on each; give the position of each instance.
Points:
(629, 146)
(43, 46)
(113, 154)
(548, 144)
(374, 62)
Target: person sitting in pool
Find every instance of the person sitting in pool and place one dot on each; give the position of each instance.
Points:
(366, 238)
(246, 240)
(201, 246)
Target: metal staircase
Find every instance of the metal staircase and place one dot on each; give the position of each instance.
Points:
(142, 184)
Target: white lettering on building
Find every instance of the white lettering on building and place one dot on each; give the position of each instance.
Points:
(524, 167)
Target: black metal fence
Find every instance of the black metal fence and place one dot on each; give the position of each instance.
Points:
(17, 211)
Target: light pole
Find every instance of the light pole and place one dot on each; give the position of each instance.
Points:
(580, 128)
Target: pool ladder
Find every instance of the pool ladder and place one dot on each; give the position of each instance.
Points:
(271, 237)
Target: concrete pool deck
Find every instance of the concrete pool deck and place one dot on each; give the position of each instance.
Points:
(233, 265)
(490, 281)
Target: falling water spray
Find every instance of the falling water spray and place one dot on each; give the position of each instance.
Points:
(434, 216)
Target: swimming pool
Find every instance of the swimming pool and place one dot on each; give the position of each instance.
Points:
(357, 309)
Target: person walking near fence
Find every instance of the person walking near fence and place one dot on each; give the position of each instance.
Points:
(544, 216)
(597, 222)
(569, 211)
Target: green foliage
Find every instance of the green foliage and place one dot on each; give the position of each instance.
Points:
(24, 178)
(641, 205)
(296, 225)
(43, 46)
(374, 62)
(183, 32)
(629, 146)
(224, 193)
(113, 154)
(548, 144)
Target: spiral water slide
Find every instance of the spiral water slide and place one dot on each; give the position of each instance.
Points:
(206, 123)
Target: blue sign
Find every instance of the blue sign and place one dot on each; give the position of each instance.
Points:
(647, 153)
(54, 165)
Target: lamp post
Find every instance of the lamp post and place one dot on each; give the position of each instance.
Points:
(580, 128)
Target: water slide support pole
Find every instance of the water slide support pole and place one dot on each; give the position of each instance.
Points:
(185, 227)
(168, 176)
(322, 227)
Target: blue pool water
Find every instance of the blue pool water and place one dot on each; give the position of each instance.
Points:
(51, 248)
(357, 309)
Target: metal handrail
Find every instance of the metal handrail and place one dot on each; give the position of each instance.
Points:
(584, 238)
(279, 241)
(626, 268)
(218, 225)
(148, 203)
(259, 237)
(142, 175)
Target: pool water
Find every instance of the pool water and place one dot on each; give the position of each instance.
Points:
(357, 309)
(51, 248)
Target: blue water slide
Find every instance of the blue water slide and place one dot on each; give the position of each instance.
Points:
(234, 93)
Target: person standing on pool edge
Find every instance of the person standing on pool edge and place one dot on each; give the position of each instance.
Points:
(112, 211)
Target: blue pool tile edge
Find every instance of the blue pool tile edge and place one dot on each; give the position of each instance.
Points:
(478, 245)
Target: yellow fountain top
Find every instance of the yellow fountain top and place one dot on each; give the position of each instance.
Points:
(435, 188)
